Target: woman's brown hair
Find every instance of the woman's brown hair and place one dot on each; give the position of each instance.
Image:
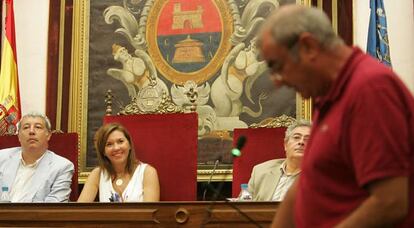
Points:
(101, 137)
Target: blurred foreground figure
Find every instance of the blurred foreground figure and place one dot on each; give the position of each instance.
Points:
(357, 169)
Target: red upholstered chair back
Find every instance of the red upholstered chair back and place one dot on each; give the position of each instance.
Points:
(262, 144)
(64, 144)
(167, 142)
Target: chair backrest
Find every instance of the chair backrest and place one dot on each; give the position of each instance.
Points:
(262, 144)
(168, 142)
(63, 144)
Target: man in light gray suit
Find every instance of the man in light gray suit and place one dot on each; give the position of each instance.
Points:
(270, 180)
(32, 172)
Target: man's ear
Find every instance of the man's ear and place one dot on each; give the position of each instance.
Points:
(18, 136)
(49, 135)
(309, 47)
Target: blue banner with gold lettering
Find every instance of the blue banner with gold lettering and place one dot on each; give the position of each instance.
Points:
(378, 44)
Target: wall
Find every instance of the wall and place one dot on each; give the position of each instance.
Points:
(31, 33)
(31, 19)
(400, 20)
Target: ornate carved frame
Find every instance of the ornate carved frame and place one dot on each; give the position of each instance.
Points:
(68, 74)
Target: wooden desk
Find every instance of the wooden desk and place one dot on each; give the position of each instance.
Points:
(163, 214)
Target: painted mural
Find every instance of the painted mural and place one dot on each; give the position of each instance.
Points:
(171, 45)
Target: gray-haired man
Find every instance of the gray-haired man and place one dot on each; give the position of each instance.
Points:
(31, 172)
(358, 168)
(270, 180)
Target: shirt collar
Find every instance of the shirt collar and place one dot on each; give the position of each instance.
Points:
(284, 172)
(34, 165)
(341, 81)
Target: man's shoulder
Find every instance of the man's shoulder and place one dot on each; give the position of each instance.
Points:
(9, 151)
(371, 72)
(58, 159)
(269, 163)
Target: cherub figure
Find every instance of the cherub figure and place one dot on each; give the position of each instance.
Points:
(133, 70)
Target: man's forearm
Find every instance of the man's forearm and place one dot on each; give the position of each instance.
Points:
(371, 214)
(386, 205)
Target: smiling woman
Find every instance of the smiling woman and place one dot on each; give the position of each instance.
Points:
(120, 176)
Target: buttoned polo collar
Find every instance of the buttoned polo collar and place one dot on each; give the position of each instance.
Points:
(340, 83)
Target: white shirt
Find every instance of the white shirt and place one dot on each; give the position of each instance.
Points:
(21, 185)
(286, 180)
(134, 192)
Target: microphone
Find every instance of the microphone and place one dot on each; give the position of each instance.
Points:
(241, 141)
(211, 176)
(235, 152)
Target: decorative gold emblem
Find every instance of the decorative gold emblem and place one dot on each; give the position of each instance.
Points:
(165, 105)
(280, 121)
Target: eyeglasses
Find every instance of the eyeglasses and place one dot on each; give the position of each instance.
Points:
(276, 77)
(275, 66)
(300, 137)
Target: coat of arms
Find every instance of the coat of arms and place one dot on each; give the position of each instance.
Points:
(204, 46)
(188, 40)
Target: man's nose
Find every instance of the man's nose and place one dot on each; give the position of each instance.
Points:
(277, 79)
(302, 141)
(32, 130)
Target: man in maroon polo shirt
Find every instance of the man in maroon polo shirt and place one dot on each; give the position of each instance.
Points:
(358, 168)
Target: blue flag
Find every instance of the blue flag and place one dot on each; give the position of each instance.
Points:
(378, 45)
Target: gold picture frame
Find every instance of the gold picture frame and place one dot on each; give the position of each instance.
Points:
(78, 95)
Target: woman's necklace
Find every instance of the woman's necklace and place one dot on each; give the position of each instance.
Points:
(119, 182)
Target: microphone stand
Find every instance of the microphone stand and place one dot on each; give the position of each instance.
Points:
(211, 177)
(229, 203)
(217, 192)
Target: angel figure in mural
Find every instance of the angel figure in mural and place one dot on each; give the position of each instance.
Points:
(206, 114)
(241, 64)
(134, 73)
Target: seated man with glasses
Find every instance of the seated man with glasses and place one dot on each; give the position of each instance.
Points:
(270, 180)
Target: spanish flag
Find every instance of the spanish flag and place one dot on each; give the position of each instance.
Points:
(10, 111)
